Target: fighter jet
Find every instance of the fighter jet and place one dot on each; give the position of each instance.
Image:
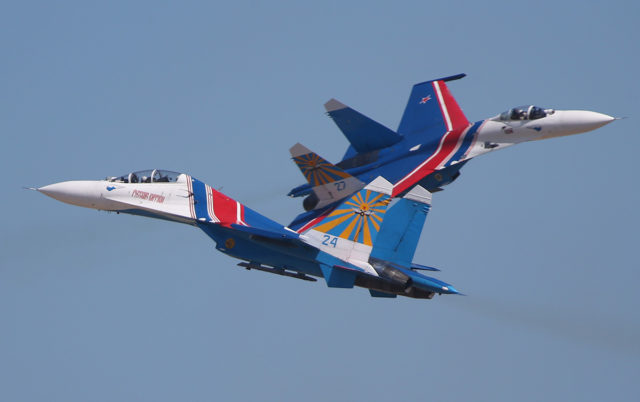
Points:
(366, 241)
(432, 143)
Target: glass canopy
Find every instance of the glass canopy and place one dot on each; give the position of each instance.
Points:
(149, 176)
(525, 113)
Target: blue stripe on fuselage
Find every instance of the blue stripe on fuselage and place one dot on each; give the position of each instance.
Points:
(200, 199)
(466, 142)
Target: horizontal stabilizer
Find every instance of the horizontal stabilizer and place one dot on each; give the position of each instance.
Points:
(301, 191)
(419, 267)
(364, 134)
(270, 233)
(428, 283)
(414, 267)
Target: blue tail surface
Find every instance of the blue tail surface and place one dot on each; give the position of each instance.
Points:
(432, 110)
(400, 232)
(398, 239)
(363, 133)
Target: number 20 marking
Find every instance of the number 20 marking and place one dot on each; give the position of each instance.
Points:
(340, 185)
(330, 241)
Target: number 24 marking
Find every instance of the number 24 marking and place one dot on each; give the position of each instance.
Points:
(330, 241)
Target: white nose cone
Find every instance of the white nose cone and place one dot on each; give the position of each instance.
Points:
(580, 121)
(82, 193)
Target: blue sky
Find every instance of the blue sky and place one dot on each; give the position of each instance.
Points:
(541, 237)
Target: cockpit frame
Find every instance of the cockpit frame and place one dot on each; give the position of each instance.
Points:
(149, 176)
(524, 113)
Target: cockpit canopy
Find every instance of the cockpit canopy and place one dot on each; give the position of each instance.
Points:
(525, 113)
(149, 176)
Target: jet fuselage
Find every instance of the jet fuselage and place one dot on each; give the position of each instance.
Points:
(439, 160)
(246, 235)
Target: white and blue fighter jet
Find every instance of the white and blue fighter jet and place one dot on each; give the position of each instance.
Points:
(434, 140)
(366, 241)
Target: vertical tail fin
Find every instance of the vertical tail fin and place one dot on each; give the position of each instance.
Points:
(396, 244)
(432, 107)
(350, 230)
(399, 235)
(329, 182)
